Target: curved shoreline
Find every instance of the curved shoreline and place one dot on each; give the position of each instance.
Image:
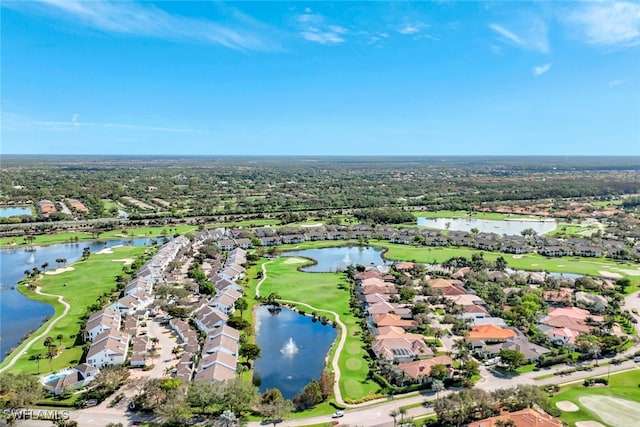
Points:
(22, 349)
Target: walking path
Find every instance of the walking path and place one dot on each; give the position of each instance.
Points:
(264, 277)
(16, 355)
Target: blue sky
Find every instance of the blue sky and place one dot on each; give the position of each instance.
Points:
(307, 78)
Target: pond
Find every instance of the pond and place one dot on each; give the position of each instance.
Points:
(9, 211)
(293, 350)
(19, 314)
(508, 226)
(330, 260)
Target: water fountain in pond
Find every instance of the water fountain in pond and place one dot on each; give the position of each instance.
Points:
(290, 348)
(347, 260)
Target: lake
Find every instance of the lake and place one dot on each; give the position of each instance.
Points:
(330, 260)
(293, 350)
(9, 211)
(508, 226)
(19, 314)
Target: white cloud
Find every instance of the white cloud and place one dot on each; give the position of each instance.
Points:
(144, 20)
(411, 28)
(506, 34)
(12, 121)
(314, 28)
(614, 83)
(608, 24)
(541, 69)
(532, 34)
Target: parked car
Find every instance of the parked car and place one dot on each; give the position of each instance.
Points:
(337, 414)
(636, 359)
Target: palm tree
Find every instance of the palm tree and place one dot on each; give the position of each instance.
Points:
(44, 266)
(403, 412)
(47, 343)
(59, 338)
(37, 357)
(394, 414)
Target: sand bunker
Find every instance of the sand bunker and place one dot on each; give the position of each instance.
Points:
(610, 274)
(588, 424)
(125, 261)
(612, 410)
(295, 261)
(104, 251)
(517, 256)
(631, 272)
(59, 271)
(567, 406)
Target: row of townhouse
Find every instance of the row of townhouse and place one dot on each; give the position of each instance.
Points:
(109, 345)
(138, 294)
(515, 244)
(219, 353)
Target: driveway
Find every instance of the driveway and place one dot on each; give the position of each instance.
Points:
(166, 342)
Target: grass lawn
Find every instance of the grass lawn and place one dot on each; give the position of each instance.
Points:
(623, 385)
(321, 291)
(534, 262)
(569, 229)
(50, 239)
(246, 223)
(84, 285)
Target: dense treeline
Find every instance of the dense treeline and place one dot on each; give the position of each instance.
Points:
(206, 186)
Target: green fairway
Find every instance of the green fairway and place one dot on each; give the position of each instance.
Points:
(321, 290)
(126, 233)
(532, 262)
(80, 288)
(623, 385)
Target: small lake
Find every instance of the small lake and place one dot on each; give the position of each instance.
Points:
(9, 211)
(19, 314)
(293, 350)
(508, 227)
(330, 260)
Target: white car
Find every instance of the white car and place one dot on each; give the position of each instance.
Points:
(337, 414)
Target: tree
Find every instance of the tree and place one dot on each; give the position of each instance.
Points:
(228, 419)
(274, 407)
(501, 263)
(439, 371)
(175, 409)
(44, 266)
(86, 253)
(241, 304)
(272, 299)
(250, 351)
(19, 391)
(309, 397)
(236, 395)
(327, 379)
(48, 342)
(394, 414)
(201, 394)
(437, 386)
(623, 284)
(59, 338)
(512, 359)
(37, 357)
